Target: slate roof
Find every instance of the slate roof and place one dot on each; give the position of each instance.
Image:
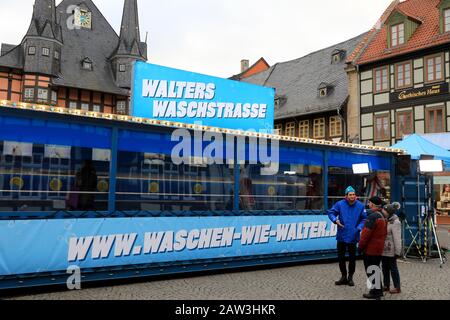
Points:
(297, 82)
(98, 44)
(427, 34)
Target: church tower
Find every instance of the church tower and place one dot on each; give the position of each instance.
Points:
(130, 48)
(43, 42)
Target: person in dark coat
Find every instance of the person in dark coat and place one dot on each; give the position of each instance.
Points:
(372, 245)
(87, 183)
(349, 215)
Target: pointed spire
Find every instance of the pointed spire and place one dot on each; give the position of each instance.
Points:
(129, 31)
(43, 22)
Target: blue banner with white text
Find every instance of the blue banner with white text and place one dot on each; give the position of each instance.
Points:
(169, 94)
(35, 246)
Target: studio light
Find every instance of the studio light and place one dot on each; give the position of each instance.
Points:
(361, 168)
(431, 166)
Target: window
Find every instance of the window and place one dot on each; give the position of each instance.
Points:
(290, 129)
(56, 55)
(96, 108)
(42, 95)
(87, 64)
(434, 68)
(278, 129)
(29, 93)
(85, 106)
(341, 176)
(54, 97)
(435, 120)
(397, 35)
(46, 52)
(382, 127)
(319, 128)
(122, 68)
(404, 123)
(31, 51)
(446, 20)
(302, 191)
(121, 107)
(403, 75)
(335, 126)
(381, 79)
(48, 186)
(336, 58)
(323, 92)
(304, 129)
(72, 105)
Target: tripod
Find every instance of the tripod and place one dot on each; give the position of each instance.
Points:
(426, 223)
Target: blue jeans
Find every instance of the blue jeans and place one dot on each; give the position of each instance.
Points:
(390, 269)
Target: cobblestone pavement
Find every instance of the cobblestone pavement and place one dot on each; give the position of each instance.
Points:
(303, 282)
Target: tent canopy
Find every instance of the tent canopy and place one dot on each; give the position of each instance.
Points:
(416, 146)
(440, 139)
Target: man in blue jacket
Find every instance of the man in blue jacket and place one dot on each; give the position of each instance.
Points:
(349, 215)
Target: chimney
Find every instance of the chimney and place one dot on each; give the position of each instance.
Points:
(245, 64)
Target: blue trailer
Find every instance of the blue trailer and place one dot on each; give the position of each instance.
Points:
(149, 216)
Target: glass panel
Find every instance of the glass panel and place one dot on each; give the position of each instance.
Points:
(376, 184)
(400, 76)
(385, 79)
(46, 178)
(294, 187)
(439, 121)
(151, 182)
(432, 123)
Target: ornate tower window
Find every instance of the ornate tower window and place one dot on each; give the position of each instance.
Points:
(46, 52)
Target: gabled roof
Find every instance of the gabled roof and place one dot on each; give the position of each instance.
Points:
(298, 80)
(425, 36)
(13, 58)
(96, 44)
(252, 70)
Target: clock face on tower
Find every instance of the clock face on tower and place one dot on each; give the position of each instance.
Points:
(83, 18)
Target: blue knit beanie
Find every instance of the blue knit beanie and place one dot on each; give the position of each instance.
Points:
(349, 189)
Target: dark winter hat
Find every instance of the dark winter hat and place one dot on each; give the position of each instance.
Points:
(392, 208)
(376, 201)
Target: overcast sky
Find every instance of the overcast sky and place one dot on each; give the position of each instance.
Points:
(212, 36)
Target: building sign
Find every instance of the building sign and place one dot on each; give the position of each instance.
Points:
(417, 93)
(180, 96)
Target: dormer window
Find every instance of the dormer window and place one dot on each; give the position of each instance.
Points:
(277, 103)
(324, 90)
(337, 56)
(397, 35)
(280, 101)
(447, 20)
(86, 64)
